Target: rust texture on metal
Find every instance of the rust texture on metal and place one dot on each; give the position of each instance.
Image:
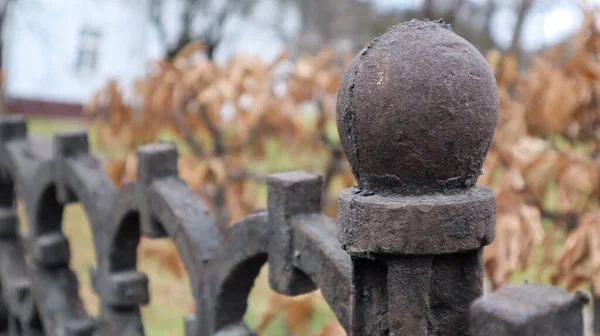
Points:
(416, 114)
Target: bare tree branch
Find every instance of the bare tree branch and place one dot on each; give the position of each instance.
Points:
(214, 22)
(428, 9)
(185, 36)
(155, 11)
(451, 17)
(215, 133)
(518, 31)
(194, 145)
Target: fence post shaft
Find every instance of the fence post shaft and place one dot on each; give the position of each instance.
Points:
(416, 113)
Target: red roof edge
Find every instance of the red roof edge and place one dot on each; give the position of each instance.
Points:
(44, 108)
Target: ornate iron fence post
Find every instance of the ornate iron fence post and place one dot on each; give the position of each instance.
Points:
(416, 113)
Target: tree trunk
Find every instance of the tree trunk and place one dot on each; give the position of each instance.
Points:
(186, 34)
(183, 41)
(428, 9)
(516, 38)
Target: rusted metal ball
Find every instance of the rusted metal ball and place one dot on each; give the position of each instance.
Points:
(416, 111)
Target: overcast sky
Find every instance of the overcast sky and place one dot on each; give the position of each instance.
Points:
(552, 21)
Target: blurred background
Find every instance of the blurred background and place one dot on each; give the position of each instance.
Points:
(248, 87)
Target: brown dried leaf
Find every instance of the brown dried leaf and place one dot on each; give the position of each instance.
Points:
(299, 314)
(333, 328)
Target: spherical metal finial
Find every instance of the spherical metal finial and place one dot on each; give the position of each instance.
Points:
(416, 111)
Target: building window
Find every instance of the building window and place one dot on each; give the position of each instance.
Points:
(87, 57)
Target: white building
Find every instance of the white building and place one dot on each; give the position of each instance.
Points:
(58, 52)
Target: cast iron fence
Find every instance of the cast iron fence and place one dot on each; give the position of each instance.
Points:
(405, 257)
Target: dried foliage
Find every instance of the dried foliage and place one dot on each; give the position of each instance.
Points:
(227, 118)
(543, 162)
(297, 311)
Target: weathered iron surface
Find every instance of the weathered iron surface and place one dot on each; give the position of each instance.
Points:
(20, 156)
(417, 110)
(426, 224)
(416, 113)
(529, 310)
(71, 175)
